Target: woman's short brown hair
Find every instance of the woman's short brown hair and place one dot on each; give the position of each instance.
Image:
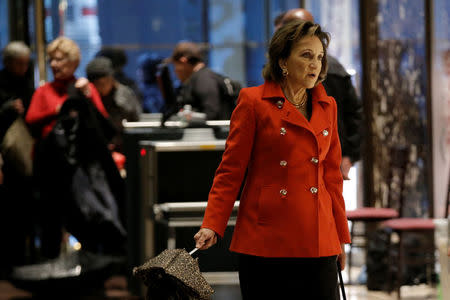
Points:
(68, 47)
(282, 42)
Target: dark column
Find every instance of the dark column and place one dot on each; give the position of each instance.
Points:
(18, 25)
(369, 35)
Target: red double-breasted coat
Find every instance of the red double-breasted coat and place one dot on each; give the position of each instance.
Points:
(291, 204)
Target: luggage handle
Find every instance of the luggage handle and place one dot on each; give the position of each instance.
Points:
(341, 282)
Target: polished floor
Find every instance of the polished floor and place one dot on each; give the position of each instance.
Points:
(353, 292)
(227, 288)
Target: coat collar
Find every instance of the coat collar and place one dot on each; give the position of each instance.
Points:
(320, 100)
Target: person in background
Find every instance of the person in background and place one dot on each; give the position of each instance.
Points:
(152, 99)
(338, 84)
(120, 101)
(291, 228)
(16, 84)
(64, 58)
(199, 85)
(278, 21)
(16, 214)
(119, 60)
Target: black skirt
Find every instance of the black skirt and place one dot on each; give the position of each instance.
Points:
(288, 278)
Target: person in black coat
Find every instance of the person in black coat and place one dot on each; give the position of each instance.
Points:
(80, 186)
(338, 84)
(16, 89)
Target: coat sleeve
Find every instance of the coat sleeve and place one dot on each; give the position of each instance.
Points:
(352, 120)
(41, 109)
(128, 102)
(334, 182)
(231, 171)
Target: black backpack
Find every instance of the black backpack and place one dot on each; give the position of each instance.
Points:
(229, 93)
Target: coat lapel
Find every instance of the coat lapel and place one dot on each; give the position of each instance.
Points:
(319, 119)
(289, 114)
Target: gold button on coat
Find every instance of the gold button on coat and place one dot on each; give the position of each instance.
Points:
(325, 132)
(313, 190)
(283, 131)
(280, 104)
(283, 192)
(283, 163)
(315, 160)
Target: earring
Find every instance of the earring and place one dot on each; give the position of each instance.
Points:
(285, 72)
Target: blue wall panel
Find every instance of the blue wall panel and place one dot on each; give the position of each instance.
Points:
(256, 40)
(4, 28)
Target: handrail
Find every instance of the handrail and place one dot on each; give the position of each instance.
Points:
(199, 206)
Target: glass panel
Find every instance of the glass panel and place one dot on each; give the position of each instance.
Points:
(138, 27)
(344, 30)
(226, 36)
(441, 103)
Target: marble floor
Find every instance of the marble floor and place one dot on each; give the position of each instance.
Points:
(353, 292)
(231, 292)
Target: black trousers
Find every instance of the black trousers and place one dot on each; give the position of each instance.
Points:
(288, 278)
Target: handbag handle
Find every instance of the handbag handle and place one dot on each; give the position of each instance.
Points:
(193, 251)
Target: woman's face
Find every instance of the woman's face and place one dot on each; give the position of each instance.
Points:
(304, 63)
(62, 67)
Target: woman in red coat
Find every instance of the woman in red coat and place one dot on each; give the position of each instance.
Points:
(291, 225)
(64, 57)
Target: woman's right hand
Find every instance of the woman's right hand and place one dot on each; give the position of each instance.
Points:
(83, 85)
(205, 238)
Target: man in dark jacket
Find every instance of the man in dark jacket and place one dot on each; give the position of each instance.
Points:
(338, 84)
(200, 87)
